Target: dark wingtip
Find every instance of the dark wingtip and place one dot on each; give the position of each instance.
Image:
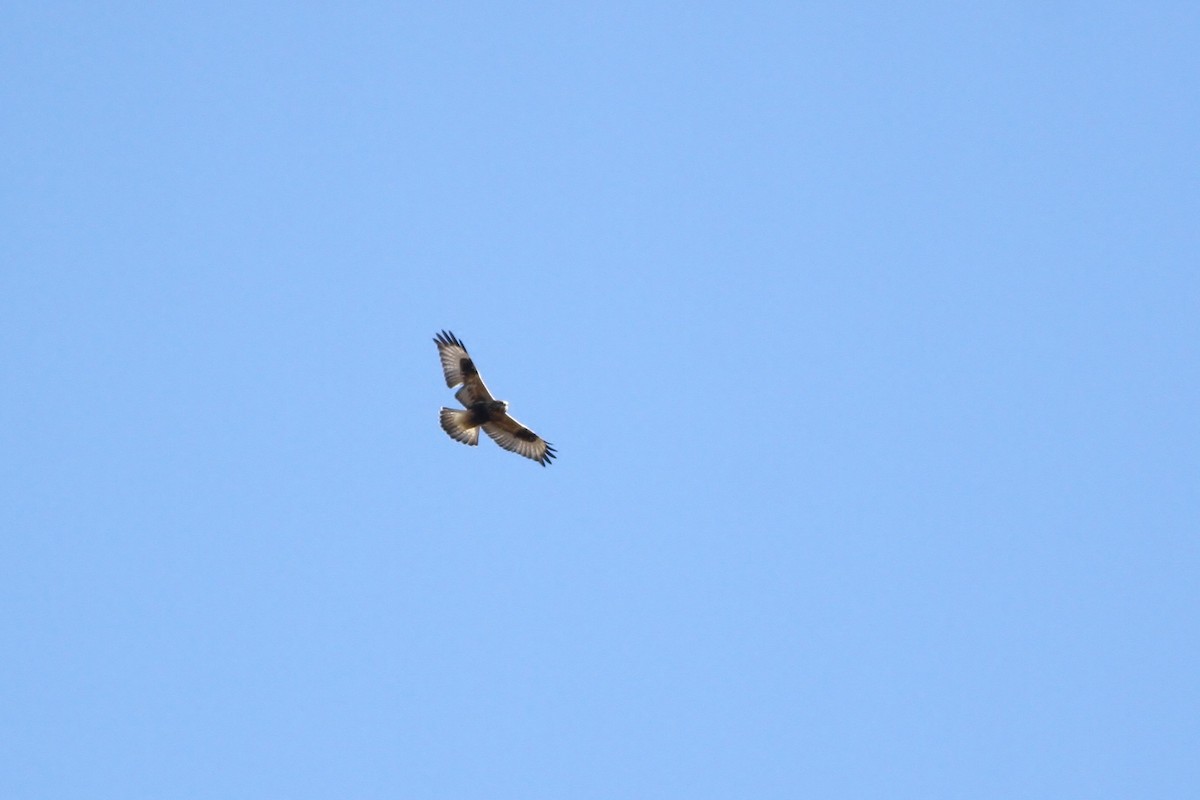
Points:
(446, 338)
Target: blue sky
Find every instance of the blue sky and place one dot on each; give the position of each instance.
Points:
(867, 336)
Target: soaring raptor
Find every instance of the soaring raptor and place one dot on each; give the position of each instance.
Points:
(482, 410)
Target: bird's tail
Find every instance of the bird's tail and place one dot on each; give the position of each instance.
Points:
(457, 423)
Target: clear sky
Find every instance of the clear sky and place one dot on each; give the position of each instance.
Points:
(868, 337)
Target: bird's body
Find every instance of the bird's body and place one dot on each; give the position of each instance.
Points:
(482, 413)
(481, 409)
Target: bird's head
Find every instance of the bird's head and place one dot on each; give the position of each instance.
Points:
(499, 406)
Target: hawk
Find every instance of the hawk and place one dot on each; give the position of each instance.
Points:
(482, 410)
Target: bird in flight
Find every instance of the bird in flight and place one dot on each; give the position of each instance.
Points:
(482, 410)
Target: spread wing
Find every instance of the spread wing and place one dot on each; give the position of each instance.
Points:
(512, 435)
(459, 368)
